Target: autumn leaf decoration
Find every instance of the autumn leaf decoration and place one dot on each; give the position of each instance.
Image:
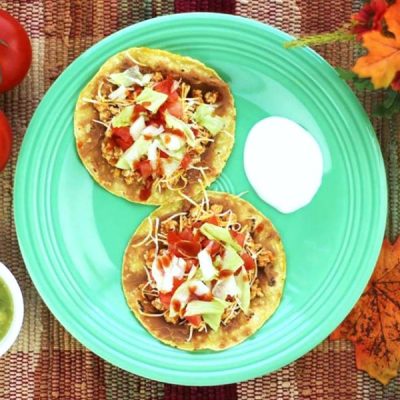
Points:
(374, 323)
(382, 62)
(376, 28)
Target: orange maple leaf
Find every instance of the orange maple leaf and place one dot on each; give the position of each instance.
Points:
(374, 323)
(383, 58)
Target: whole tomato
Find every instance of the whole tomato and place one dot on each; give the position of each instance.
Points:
(5, 140)
(15, 52)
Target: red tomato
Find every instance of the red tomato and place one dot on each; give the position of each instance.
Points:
(175, 108)
(212, 247)
(239, 237)
(186, 248)
(122, 137)
(164, 86)
(173, 104)
(195, 320)
(5, 140)
(186, 161)
(144, 167)
(15, 52)
(173, 237)
(186, 234)
(248, 261)
(165, 299)
(213, 220)
(138, 109)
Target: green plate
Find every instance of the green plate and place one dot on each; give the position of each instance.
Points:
(73, 233)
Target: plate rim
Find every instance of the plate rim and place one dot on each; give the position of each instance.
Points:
(222, 378)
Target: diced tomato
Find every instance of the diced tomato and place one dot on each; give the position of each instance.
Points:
(186, 248)
(144, 168)
(122, 137)
(159, 118)
(173, 104)
(213, 220)
(173, 96)
(186, 234)
(194, 320)
(174, 107)
(165, 299)
(186, 161)
(164, 86)
(212, 247)
(145, 192)
(248, 261)
(138, 109)
(173, 237)
(163, 154)
(239, 237)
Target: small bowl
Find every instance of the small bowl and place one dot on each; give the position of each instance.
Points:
(18, 305)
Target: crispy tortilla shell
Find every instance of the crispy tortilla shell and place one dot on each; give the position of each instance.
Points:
(240, 328)
(89, 135)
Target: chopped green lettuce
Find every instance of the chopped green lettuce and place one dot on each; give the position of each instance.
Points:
(211, 311)
(152, 99)
(214, 232)
(243, 284)
(212, 320)
(137, 127)
(204, 117)
(199, 307)
(130, 76)
(176, 123)
(134, 153)
(231, 260)
(123, 118)
(182, 294)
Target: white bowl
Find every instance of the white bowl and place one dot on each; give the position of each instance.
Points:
(18, 303)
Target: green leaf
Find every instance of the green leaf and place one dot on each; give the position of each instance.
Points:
(346, 74)
(389, 106)
(358, 83)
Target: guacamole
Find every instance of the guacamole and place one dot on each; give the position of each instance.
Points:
(6, 309)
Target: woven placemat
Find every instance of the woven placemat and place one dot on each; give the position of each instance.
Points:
(46, 362)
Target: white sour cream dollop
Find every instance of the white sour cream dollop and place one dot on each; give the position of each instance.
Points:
(283, 163)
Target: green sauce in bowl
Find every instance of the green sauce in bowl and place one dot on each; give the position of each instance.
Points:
(6, 309)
